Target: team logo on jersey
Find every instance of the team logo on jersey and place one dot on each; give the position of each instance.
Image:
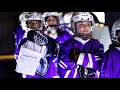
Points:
(43, 67)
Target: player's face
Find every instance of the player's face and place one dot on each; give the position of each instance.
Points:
(118, 34)
(52, 20)
(34, 24)
(83, 27)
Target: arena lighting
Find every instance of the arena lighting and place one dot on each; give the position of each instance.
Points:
(7, 57)
(99, 25)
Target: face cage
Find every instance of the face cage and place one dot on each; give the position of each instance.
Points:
(115, 37)
(47, 26)
(75, 31)
(28, 29)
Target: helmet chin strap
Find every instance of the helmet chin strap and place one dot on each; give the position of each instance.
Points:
(116, 40)
(51, 28)
(85, 36)
(51, 32)
(119, 40)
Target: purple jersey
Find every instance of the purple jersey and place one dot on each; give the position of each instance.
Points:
(63, 37)
(110, 66)
(19, 33)
(92, 52)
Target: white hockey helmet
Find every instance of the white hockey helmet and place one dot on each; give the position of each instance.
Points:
(46, 14)
(32, 16)
(22, 16)
(67, 18)
(115, 29)
(81, 16)
(22, 20)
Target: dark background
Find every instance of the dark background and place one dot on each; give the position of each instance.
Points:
(8, 24)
